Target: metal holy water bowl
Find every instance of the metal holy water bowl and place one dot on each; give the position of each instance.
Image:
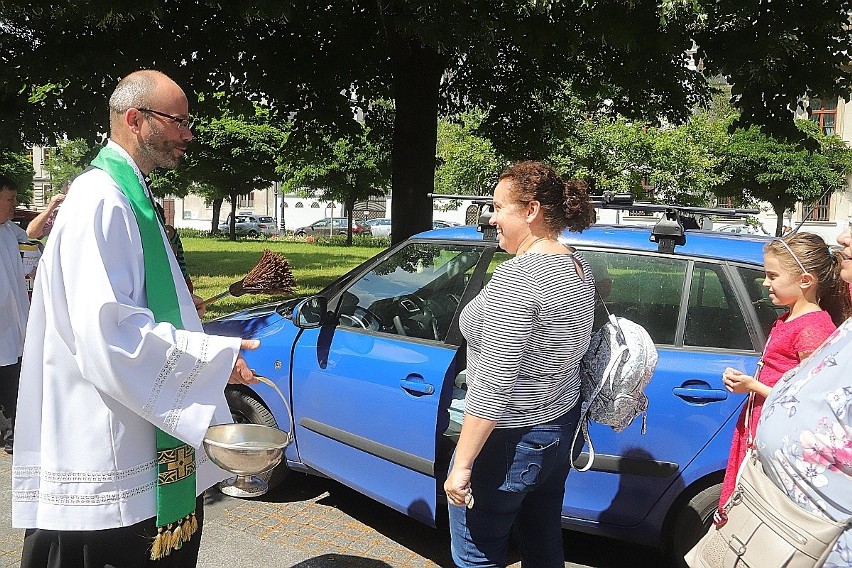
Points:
(248, 450)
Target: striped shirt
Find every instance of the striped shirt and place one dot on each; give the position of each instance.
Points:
(526, 333)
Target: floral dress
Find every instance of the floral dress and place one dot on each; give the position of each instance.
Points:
(804, 436)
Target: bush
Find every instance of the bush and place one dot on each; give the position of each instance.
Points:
(187, 232)
(340, 240)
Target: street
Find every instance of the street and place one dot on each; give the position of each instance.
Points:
(318, 523)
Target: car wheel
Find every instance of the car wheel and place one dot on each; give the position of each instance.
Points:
(690, 523)
(300, 234)
(247, 408)
(252, 233)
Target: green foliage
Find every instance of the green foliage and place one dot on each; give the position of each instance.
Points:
(764, 168)
(346, 169)
(772, 54)
(20, 168)
(320, 62)
(232, 155)
(467, 164)
(68, 160)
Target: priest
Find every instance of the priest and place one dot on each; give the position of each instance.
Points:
(118, 381)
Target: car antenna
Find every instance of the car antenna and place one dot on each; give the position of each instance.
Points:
(668, 232)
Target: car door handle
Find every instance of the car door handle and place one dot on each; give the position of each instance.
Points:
(700, 392)
(417, 387)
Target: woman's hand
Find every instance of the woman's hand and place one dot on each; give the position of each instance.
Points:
(457, 486)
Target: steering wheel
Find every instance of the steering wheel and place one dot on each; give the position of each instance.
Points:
(414, 318)
(361, 318)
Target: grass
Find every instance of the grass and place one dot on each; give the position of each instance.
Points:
(216, 263)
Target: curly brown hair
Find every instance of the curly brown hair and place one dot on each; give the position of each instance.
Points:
(820, 261)
(564, 205)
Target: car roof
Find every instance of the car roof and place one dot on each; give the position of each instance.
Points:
(738, 247)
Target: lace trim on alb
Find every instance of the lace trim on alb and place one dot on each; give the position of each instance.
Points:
(168, 369)
(81, 476)
(71, 500)
(174, 414)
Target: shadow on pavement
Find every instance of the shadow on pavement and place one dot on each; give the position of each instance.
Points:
(341, 560)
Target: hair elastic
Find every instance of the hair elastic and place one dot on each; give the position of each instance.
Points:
(796, 258)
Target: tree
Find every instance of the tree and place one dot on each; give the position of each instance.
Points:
(232, 155)
(467, 164)
(346, 169)
(322, 61)
(765, 168)
(69, 159)
(19, 168)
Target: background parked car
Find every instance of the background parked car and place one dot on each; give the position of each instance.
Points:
(380, 227)
(251, 226)
(743, 229)
(329, 227)
(374, 367)
(439, 224)
(24, 216)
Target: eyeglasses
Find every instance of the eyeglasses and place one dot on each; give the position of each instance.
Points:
(185, 123)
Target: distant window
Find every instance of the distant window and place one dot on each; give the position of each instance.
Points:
(299, 205)
(315, 205)
(824, 114)
(246, 201)
(471, 215)
(820, 211)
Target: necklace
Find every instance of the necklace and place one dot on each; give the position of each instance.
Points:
(532, 244)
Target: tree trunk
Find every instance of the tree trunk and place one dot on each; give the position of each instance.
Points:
(417, 71)
(349, 207)
(217, 211)
(232, 226)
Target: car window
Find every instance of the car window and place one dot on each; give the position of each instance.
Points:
(267, 220)
(758, 295)
(413, 293)
(714, 317)
(320, 223)
(644, 289)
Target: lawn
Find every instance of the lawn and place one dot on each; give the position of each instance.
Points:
(216, 263)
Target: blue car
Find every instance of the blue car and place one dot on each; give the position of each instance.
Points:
(374, 369)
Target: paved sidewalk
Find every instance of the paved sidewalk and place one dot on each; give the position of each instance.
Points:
(301, 526)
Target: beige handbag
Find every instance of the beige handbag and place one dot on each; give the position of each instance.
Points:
(764, 528)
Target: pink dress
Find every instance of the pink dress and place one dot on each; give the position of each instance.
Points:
(786, 341)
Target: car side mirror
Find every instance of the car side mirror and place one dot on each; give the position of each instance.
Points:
(310, 313)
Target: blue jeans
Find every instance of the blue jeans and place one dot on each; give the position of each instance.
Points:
(518, 482)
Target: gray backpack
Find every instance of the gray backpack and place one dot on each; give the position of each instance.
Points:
(613, 374)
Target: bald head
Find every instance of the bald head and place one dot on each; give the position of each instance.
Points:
(137, 90)
(148, 117)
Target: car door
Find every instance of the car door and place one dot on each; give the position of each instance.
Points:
(367, 390)
(688, 406)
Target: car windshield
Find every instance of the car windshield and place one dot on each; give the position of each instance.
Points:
(421, 280)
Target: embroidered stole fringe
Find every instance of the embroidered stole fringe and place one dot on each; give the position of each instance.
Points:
(172, 536)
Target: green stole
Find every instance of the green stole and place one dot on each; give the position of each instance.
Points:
(176, 521)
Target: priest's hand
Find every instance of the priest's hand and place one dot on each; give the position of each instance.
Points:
(200, 306)
(241, 374)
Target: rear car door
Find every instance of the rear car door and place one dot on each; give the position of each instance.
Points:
(367, 391)
(693, 312)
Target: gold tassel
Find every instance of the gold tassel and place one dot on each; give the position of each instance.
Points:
(169, 538)
(157, 545)
(177, 541)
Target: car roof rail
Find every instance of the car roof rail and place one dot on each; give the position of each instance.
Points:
(668, 232)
